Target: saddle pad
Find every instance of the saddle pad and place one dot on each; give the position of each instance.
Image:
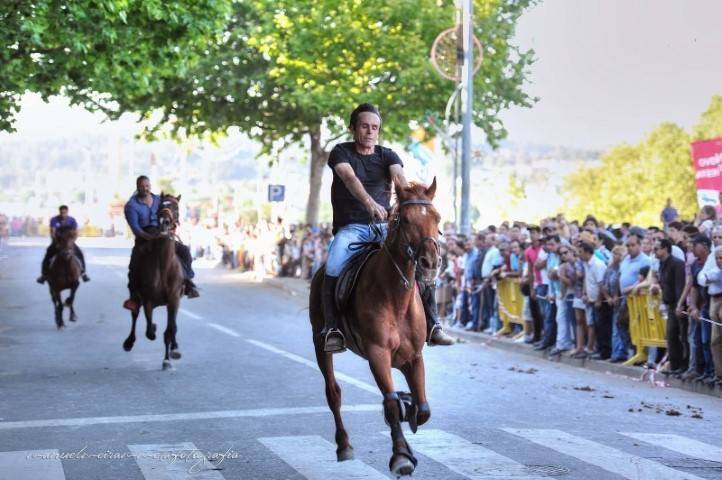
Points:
(349, 275)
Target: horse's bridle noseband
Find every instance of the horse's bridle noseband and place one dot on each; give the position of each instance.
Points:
(411, 252)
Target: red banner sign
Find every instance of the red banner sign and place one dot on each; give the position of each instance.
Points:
(707, 158)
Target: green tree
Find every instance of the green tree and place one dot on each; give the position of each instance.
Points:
(289, 72)
(633, 181)
(710, 123)
(98, 51)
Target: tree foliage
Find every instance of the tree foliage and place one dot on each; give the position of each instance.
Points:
(290, 71)
(86, 48)
(633, 181)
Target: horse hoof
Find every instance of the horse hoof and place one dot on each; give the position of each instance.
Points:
(175, 354)
(167, 365)
(150, 333)
(128, 345)
(345, 454)
(401, 466)
(73, 318)
(423, 414)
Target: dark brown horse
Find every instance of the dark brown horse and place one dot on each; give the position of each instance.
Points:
(385, 322)
(64, 273)
(160, 280)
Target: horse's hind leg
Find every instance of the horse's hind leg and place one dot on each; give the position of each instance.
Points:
(130, 341)
(344, 450)
(416, 378)
(402, 460)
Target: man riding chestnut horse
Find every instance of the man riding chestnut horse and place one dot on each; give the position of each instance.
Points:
(141, 213)
(363, 173)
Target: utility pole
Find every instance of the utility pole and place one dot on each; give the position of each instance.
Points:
(467, 102)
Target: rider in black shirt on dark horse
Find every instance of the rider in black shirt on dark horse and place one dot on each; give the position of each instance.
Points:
(363, 174)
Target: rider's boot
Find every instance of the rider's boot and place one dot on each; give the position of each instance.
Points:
(436, 335)
(333, 339)
(133, 303)
(40, 279)
(190, 289)
(85, 277)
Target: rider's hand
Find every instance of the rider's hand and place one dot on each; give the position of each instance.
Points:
(376, 211)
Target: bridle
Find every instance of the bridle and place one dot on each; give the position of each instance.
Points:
(166, 208)
(411, 252)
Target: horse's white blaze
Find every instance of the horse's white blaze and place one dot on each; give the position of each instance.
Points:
(683, 445)
(607, 458)
(45, 464)
(423, 211)
(182, 461)
(315, 458)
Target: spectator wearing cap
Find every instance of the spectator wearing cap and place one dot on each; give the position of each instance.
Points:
(671, 281)
(700, 366)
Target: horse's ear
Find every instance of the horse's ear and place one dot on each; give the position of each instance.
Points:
(179, 196)
(431, 191)
(162, 194)
(399, 191)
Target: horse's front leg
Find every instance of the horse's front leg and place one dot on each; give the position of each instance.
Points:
(415, 374)
(69, 302)
(149, 325)
(171, 330)
(403, 461)
(57, 307)
(130, 341)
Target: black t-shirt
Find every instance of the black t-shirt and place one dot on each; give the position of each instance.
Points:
(373, 172)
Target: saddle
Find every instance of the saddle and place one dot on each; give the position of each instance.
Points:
(350, 274)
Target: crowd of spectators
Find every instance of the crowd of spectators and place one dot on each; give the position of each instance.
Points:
(576, 277)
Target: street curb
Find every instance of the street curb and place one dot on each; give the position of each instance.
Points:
(601, 366)
(299, 290)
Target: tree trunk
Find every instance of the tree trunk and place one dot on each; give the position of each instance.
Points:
(319, 157)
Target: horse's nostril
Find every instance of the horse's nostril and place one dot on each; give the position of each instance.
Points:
(425, 263)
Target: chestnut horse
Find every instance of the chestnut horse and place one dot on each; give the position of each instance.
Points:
(385, 323)
(161, 279)
(64, 273)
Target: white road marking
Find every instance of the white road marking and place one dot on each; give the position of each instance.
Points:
(223, 329)
(315, 458)
(466, 458)
(683, 445)
(190, 314)
(296, 358)
(174, 417)
(45, 464)
(607, 458)
(182, 461)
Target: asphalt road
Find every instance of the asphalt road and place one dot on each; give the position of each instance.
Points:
(247, 402)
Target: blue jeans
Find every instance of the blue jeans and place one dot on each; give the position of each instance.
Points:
(339, 252)
(706, 338)
(564, 325)
(470, 303)
(487, 307)
(620, 334)
(549, 312)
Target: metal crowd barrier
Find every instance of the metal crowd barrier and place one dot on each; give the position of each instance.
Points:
(647, 326)
(511, 303)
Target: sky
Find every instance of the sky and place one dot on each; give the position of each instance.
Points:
(607, 72)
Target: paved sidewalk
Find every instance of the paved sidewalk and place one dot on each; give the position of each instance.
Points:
(298, 288)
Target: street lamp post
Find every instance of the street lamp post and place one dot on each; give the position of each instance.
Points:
(467, 102)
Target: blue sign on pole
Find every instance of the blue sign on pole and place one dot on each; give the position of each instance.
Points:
(276, 193)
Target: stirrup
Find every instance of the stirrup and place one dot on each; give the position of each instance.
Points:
(85, 277)
(444, 340)
(334, 341)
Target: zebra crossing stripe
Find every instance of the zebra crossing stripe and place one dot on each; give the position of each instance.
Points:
(683, 445)
(315, 458)
(607, 458)
(181, 461)
(466, 458)
(45, 464)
